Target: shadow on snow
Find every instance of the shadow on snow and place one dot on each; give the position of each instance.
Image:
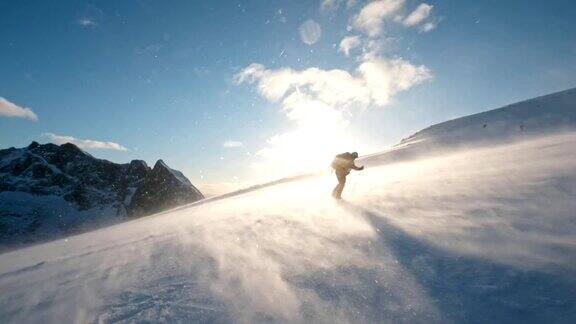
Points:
(472, 289)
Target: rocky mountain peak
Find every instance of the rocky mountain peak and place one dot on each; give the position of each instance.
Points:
(162, 187)
(71, 148)
(61, 188)
(160, 164)
(33, 145)
(163, 173)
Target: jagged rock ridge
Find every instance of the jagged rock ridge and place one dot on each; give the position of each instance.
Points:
(50, 190)
(161, 189)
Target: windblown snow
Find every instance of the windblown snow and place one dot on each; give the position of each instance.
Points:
(520, 121)
(479, 235)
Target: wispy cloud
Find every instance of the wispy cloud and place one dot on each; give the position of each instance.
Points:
(87, 22)
(426, 27)
(374, 81)
(84, 143)
(320, 103)
(9, 109)
(333, 5)
(371, 17)
(348, 43)
(232, 144)
(418, 15)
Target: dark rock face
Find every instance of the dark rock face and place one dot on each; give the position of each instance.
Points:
(49, 190)
(161, 189)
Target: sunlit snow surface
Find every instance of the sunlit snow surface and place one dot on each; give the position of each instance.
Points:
(483, 236)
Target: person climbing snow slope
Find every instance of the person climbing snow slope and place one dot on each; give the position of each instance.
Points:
(342, 164)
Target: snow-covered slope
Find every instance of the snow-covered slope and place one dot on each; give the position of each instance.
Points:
(484, 236)
(48, 191)
(552, 113)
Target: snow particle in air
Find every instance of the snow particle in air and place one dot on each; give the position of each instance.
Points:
(310, 32)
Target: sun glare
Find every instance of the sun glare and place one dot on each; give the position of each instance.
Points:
(304, 149)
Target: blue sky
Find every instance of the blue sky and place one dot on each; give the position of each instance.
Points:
(177, 80)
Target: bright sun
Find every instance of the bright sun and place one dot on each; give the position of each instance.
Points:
(304, 149)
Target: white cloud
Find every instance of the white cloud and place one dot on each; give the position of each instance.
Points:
(320, 103)
(87, 22)
(9, 109)
(429, 26)
(84, 143)
(333, 5)
(374, 80)
(310, 32)
(371, 17)
(232, 144)
(418, 15)
(348, 43)
(398, 18)
(385, 78)
(330, 86)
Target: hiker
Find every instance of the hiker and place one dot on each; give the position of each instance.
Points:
(342, 165)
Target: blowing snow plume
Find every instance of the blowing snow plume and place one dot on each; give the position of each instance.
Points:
(467, 221)
(441, 239)
(549, 114)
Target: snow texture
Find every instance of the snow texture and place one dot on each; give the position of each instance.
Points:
(481, 234)
(553, 113)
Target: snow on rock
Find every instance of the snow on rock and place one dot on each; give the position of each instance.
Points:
(483, 236)
(161, 189)
(48, 190)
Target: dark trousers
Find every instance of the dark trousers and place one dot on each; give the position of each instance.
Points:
(337, 192)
